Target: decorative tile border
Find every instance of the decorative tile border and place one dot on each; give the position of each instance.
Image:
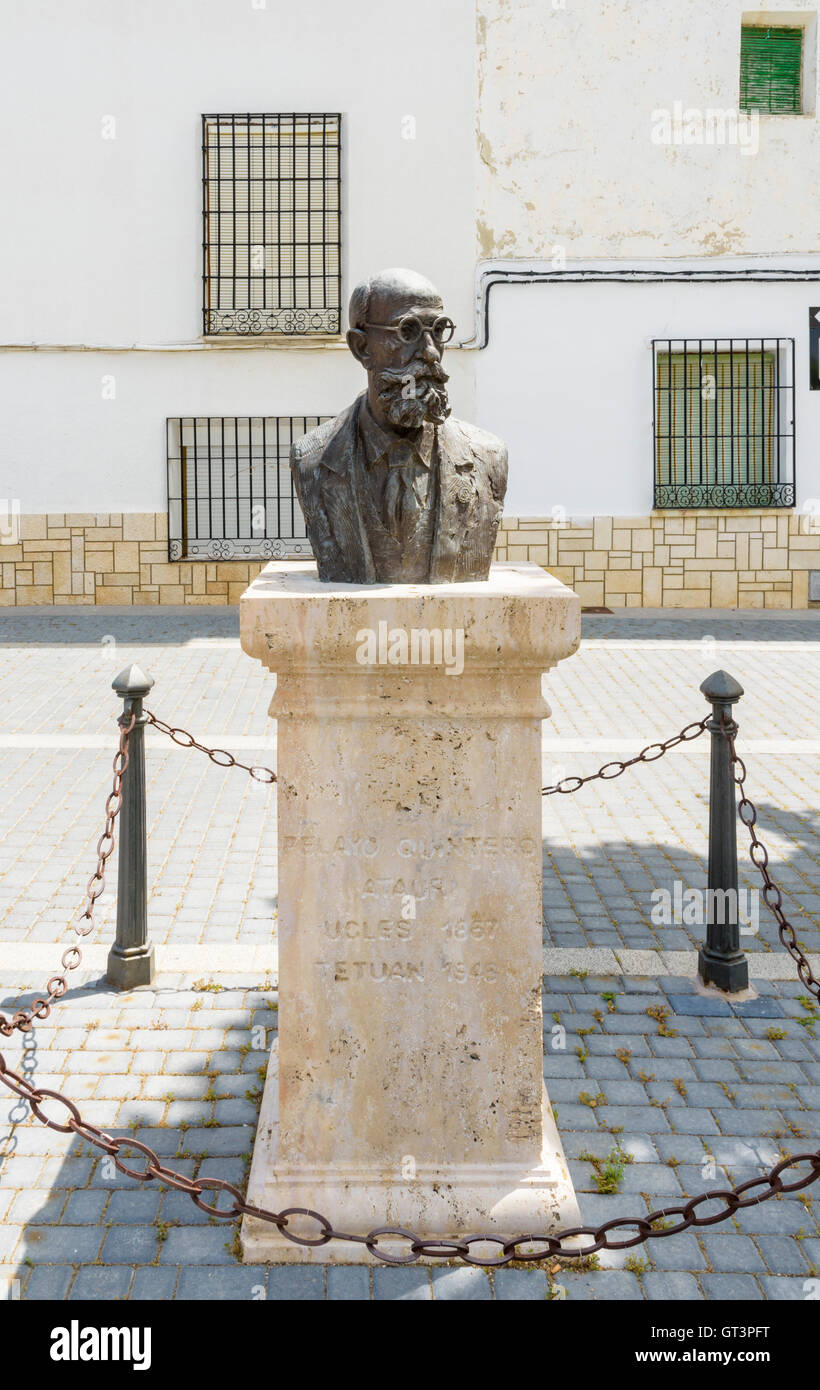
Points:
(733, 559)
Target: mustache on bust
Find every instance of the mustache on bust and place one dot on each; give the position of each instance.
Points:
(429, 401)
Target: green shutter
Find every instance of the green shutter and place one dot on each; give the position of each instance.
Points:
(770, 68)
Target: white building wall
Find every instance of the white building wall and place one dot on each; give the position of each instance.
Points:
(566, 100)
(567, 380)
(102, 238)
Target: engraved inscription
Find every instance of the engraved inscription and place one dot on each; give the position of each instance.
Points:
(459, 972)
(420, 889)
(354, 971)
(369, 931)
(465, 846)
(479, 929)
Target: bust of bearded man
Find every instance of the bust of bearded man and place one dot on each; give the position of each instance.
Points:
(394, 490)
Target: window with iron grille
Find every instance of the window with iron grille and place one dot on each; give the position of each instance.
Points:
(230, 491)
(724, 422)
(271, 223)
(771, 62)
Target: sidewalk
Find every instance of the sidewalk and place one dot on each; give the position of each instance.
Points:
(693, 1098)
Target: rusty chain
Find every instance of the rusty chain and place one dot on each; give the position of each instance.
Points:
(536, 1246)
(656, 749)
(56, 986)
(759, 855)
(220, 756)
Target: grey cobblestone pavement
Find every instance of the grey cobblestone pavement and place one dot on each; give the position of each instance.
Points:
(650, 1103)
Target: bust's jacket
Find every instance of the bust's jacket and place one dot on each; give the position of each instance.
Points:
(471, 487)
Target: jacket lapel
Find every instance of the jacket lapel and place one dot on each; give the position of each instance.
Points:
(340, 493)
(458, 495)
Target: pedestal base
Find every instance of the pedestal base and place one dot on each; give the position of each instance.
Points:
(434, 1203)
(409, 1080)
(130, 966)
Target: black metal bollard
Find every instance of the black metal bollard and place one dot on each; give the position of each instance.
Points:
(131, 958)
(721, 961)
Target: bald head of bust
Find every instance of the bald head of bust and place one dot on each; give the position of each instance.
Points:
(388, 293)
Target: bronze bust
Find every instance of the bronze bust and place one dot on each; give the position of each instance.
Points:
(393, 490)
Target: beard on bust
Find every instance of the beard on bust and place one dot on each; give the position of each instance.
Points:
(428, 401)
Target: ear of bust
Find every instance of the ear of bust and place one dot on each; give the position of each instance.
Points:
(357, 342)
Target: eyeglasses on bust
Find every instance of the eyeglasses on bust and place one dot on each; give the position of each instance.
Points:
(410, 328)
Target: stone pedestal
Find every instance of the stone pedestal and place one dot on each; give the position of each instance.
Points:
(408, 1089)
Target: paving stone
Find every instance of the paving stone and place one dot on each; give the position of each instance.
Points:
(609, 1045)
(247, 1284)
(463, 1283)
(61, 1244)
(154, 1283)
(109, 1282)
(85, 1208)
(227, 1139)
(130, 1244)
(732, 1253)
(667, 1286)
(735, 1287)
(676, 1253)
(757, 1008)
(626, 1093)
(571, 1116)
(672, 1047)
(609, 1285)
(654, 1178)
(785, 1256)
(645, 1117)
(30, 1206)
(401, 1284)
(597, 1208)
(691, 1120)
(784, 1290)
(293, 1283)
(699, 1006)
(520, 1284)
(196, 1245)
(348, 1283)
(136, 1207)
(49, 1282)
(749, 1122)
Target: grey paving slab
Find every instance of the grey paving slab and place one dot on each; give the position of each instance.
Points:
(733, 1287)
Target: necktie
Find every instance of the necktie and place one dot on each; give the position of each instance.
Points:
(401, 501)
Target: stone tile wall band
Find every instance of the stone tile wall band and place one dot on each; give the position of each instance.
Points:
(740, 559)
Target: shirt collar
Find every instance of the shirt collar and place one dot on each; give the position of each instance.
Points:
(378, 442)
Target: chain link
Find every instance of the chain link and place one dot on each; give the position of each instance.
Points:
(657, 750)
(220, 756)
(759, 855)
(57, 985)
(527, 1248)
